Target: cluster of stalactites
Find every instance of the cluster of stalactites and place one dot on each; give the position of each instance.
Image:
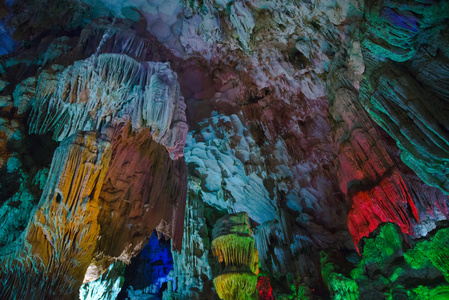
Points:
(108, 89)
(60, 239)
(238, 250)
(234, 245)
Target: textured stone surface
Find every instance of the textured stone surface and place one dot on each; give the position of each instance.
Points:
(321, 120)
(144, 190)
(105, 89)
(192, 266)
(107, 286)
(388, 269)
(109, 179)
(56, 245)
(397, 93)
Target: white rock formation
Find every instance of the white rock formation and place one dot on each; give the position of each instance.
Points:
(191, 266)
(111, 88)
(226, 183)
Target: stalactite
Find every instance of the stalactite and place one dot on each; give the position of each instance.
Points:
(233, 249)
(269, 137)
(276, 238)
(192, 270)
(112, 88)
(118, 174)
(368, 176)
(406, 65)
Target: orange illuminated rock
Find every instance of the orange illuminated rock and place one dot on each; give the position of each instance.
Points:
(61, 237)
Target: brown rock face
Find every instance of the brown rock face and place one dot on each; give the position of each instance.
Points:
(144, 190)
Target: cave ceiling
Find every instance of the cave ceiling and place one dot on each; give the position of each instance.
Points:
(216, 149)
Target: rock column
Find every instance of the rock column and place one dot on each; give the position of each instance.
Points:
(234, 247)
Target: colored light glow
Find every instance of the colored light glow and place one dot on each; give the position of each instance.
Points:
(264, 288)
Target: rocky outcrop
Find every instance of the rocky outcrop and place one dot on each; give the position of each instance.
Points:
(144, 189)
(224, 156)
(389, 269)
(122, 127)
(376, 185)
(71, 237)
(407, 64)
(110, 89)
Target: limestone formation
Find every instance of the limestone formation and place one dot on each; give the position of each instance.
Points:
(110, 89)
(234, 247)
(59, 240)
(324, 122)
(117, 175)
(396, 94)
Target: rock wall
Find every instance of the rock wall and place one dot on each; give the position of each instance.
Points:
(58, 241)
(407, 64)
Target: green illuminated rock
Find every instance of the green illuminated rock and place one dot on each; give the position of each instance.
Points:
(387, 270)
(234, 246)
(433, 251)
(340, 286)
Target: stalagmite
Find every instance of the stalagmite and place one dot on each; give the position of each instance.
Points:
(236, 285)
